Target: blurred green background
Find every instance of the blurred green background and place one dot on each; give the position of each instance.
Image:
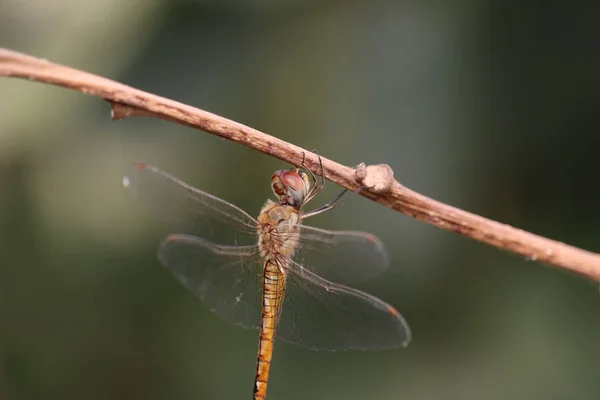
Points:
(491, 106)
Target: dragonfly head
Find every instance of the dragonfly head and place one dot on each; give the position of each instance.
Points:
(291, 186)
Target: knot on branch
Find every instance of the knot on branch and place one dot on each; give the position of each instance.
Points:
(378, 178)
(121, 111)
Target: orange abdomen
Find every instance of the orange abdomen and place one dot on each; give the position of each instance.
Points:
(273, 293)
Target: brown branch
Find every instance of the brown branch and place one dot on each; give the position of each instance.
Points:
(382, 188)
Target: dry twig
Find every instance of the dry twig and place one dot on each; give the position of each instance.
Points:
(127, 101)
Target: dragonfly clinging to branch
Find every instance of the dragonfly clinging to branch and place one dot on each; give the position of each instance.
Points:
(271, 272)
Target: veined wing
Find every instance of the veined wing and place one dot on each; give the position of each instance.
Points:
(321, 315)
(316, 314)
(340, 256)
(188, 210)
(226, 278)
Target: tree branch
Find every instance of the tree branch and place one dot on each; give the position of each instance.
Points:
(381, 187)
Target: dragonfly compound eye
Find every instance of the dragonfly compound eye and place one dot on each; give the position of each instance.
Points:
(292, 180)
(289, 186)
(295, 188)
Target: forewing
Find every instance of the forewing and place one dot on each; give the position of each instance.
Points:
(226, 278)
(340, 256)
(188, 210)
(321, 315)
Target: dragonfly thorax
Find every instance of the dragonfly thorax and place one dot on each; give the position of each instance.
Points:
(278, 230)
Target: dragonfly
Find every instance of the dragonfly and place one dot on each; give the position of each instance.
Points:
(272, 273)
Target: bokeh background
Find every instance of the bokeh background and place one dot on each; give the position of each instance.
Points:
(491, 106)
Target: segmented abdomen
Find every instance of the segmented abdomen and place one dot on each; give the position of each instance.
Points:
(273, 295)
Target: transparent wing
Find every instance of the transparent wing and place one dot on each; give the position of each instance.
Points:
(226, 278)
(188, 210)
(322, 315)
(340, 256)
(316, 314)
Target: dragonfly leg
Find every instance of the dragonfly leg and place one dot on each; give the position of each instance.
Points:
(321, 174)
(312, 175)
(317, 185)
(337, 201)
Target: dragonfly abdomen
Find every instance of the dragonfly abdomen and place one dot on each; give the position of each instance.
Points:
(272, 299)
